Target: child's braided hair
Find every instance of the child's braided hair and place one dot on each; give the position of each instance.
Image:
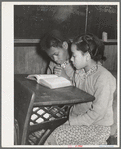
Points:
(92, 44)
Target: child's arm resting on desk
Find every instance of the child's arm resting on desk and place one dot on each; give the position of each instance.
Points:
(103, 94)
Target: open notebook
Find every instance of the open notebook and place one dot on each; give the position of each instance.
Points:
(52, 81)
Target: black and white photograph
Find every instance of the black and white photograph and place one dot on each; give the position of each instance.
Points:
(60, 74)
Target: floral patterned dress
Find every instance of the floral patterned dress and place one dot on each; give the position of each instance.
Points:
(89, 123)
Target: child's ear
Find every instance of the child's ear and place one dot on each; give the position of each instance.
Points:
(88, 57)
(65, 45)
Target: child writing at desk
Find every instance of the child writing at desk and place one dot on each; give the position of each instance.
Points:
(89, 123)
(57, 48)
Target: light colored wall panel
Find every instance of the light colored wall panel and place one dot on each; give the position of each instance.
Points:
(27, 61)
(111, 55)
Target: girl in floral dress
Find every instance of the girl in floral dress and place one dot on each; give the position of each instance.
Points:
(89, 123)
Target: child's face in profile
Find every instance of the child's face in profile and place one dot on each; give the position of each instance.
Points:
(78, 59)
(58, 54)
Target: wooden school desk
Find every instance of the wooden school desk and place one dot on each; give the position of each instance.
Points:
(38, 110)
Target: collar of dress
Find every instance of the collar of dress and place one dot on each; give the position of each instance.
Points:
(89, 72)
(64, 64)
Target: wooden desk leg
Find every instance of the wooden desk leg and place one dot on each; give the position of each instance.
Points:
(16, 132)
(26, 124)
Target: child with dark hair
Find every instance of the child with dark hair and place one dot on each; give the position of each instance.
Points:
(58, 49)
(89, 123)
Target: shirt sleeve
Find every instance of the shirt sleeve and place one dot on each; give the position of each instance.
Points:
(104, 89)
(50, 68)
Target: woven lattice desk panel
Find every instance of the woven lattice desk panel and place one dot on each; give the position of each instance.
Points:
(44, 114)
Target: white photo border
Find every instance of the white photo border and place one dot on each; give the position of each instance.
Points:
(7, 79)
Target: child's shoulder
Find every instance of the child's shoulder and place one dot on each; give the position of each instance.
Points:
(103, 73)
(103, 77)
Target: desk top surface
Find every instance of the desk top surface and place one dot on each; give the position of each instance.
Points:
(45, 96)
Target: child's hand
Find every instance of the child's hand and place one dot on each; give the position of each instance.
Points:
(59, 71)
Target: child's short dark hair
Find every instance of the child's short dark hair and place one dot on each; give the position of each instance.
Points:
(52, 39)
(92, 44)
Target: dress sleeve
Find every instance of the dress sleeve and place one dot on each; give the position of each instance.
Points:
(104, 90)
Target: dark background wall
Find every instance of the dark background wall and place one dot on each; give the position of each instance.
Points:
(103, 18)
(32, 21)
